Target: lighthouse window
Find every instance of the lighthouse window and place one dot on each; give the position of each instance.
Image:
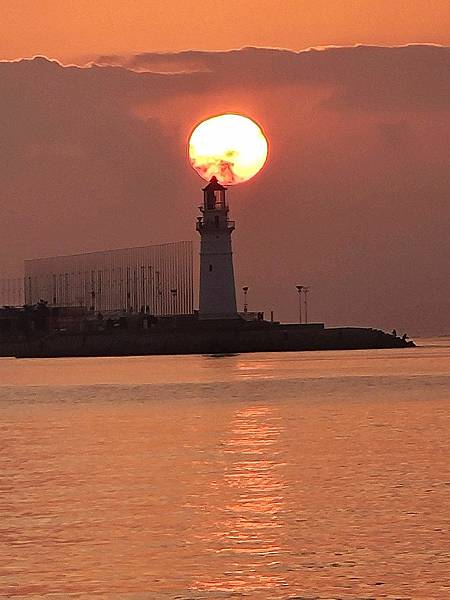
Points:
(210, 267)
(216, 220)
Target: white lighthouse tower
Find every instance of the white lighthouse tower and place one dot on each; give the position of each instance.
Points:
(217, 290)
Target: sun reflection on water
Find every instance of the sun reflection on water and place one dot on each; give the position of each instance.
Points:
(252, 531)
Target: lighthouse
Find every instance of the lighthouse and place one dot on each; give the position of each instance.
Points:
(217, 290)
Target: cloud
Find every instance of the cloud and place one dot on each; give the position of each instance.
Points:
(354, 198)
(368, 77)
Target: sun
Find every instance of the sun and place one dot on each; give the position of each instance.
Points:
(231, 147)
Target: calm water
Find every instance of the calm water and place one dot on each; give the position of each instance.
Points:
(304, 475)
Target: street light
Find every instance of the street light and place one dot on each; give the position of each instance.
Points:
(299, 290)
(306, 289)
(245, 290)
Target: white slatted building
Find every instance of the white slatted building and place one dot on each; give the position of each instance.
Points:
(11, 291)
(157, 278)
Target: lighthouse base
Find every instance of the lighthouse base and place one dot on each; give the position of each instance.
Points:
(218, 317)
(186, 334)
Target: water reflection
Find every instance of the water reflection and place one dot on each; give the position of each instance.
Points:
(330, 478)
(250, 537)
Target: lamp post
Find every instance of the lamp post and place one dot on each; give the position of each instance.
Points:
(306, 289)
(299, 291)
(245, 290)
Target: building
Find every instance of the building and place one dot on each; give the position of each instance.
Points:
(11, 291)
(157, 279)
(217, 289)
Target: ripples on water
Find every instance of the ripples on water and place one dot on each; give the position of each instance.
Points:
(305, 475)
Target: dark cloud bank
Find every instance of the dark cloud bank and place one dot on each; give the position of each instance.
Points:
(355, 198)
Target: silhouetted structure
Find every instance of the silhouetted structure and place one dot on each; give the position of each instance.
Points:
(74, 302)
(11, 291)
(157, 279)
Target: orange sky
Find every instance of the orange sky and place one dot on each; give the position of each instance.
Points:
(70, 30)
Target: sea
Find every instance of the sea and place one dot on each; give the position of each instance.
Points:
(303, 475)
